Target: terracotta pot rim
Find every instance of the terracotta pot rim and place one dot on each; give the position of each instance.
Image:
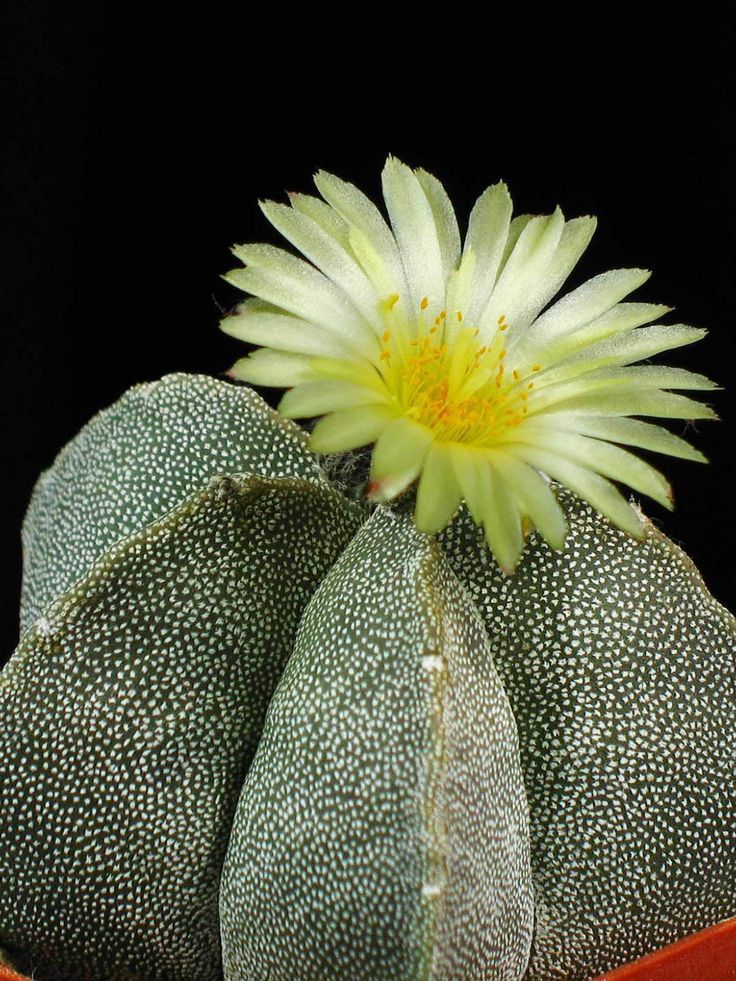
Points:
(708, 955)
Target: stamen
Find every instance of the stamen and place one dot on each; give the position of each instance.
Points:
(461, 391)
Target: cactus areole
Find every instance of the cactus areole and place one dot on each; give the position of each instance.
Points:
(413, 693)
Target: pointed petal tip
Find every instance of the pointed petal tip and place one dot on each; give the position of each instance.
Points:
(500, 187)
(639, 531)
(283, 408)
(393, 163)
(557, 544)
(375, 492)
(314, 445)
(509, 569)
(225, 324)
(322, 177)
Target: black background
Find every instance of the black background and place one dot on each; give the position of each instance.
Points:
(134, 150)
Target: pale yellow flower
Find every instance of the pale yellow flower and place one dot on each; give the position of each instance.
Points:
(446, 355)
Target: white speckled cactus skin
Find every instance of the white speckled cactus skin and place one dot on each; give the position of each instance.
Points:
(254, 730)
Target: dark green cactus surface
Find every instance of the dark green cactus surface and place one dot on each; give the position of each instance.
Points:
(621, 671)
(382, 829)
(254, 730)
(132, 463)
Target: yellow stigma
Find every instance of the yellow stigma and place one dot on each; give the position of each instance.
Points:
(455, 383)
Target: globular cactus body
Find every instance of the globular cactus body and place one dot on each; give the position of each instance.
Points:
(398, 762)
(382, 829)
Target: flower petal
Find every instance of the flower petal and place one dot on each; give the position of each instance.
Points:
(519, 292)
(638, 377)
(536, 497)
(298, 288)
(350, 428)
(575, 239)
(370, 235)
(415, 231)
(632, 400)
(328, 256)
(275, 369)
(585, 304)
(439, 494)
(313, 398)
(610, 461)
(631, 432)
(474, 476)
(620, 318)
(445, 220)
(326, 217)
(398, 457)
(596, 490)
(553, 264)
(488, 231)
(261, 323)
(502, 522)
(623, 349)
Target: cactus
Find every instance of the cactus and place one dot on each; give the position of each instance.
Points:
(257, 729)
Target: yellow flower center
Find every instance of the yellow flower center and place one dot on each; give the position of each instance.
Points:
(462, 390)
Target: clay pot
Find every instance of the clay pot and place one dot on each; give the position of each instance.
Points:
(709, 955)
